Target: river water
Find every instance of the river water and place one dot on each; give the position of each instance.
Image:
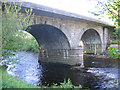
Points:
(97, 73)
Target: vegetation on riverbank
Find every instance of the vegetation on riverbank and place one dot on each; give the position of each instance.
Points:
(116, 42)
(14, 38)
(22, 41)
(13, 82)
(111, 9)
(113, 52)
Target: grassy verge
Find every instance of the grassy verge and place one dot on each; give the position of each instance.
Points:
(13, 82)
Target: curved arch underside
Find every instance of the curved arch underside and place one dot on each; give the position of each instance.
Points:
(49, 37)
(91, 37)
(92, 42)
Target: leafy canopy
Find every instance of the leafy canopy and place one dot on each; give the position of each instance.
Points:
(109, 8)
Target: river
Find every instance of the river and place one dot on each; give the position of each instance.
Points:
(97, 73)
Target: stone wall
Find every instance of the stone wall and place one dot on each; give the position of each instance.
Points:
(72, 29)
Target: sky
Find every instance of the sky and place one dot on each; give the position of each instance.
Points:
(81, 7)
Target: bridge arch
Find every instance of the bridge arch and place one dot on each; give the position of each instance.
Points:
(91, 36)
(48, 36)
(92, 41)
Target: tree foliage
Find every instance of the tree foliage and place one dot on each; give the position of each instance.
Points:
(113, 52)
(110, 8)
(13, 21)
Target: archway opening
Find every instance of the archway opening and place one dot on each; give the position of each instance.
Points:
(49, 37)
(52, 41)
(92, 42)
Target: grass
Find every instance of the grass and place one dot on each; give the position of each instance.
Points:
(12, 82)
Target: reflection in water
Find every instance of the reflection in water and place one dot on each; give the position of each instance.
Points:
(96, 73)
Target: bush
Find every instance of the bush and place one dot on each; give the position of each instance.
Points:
(65, 84)
(113, 52)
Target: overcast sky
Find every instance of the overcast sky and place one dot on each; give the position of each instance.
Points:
(81, 7)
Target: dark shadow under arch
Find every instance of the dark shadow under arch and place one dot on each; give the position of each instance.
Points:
(49, 37)
(92, 41)
(91, 36)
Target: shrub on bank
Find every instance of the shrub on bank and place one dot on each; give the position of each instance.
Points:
(113, 52)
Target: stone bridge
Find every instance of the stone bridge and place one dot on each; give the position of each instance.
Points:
(66, 35)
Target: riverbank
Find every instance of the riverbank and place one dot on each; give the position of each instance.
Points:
(114, 49)
(9, 81)
(28, 69)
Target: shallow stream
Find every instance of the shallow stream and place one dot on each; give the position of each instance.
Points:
(96, 73)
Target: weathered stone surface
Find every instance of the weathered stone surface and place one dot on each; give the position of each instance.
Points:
(74, 30)
(56, 29)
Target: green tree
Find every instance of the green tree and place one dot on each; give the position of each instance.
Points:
(12, 22)
(109, 8)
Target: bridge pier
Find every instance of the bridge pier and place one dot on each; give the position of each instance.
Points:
(105, 38)
(73, 56)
